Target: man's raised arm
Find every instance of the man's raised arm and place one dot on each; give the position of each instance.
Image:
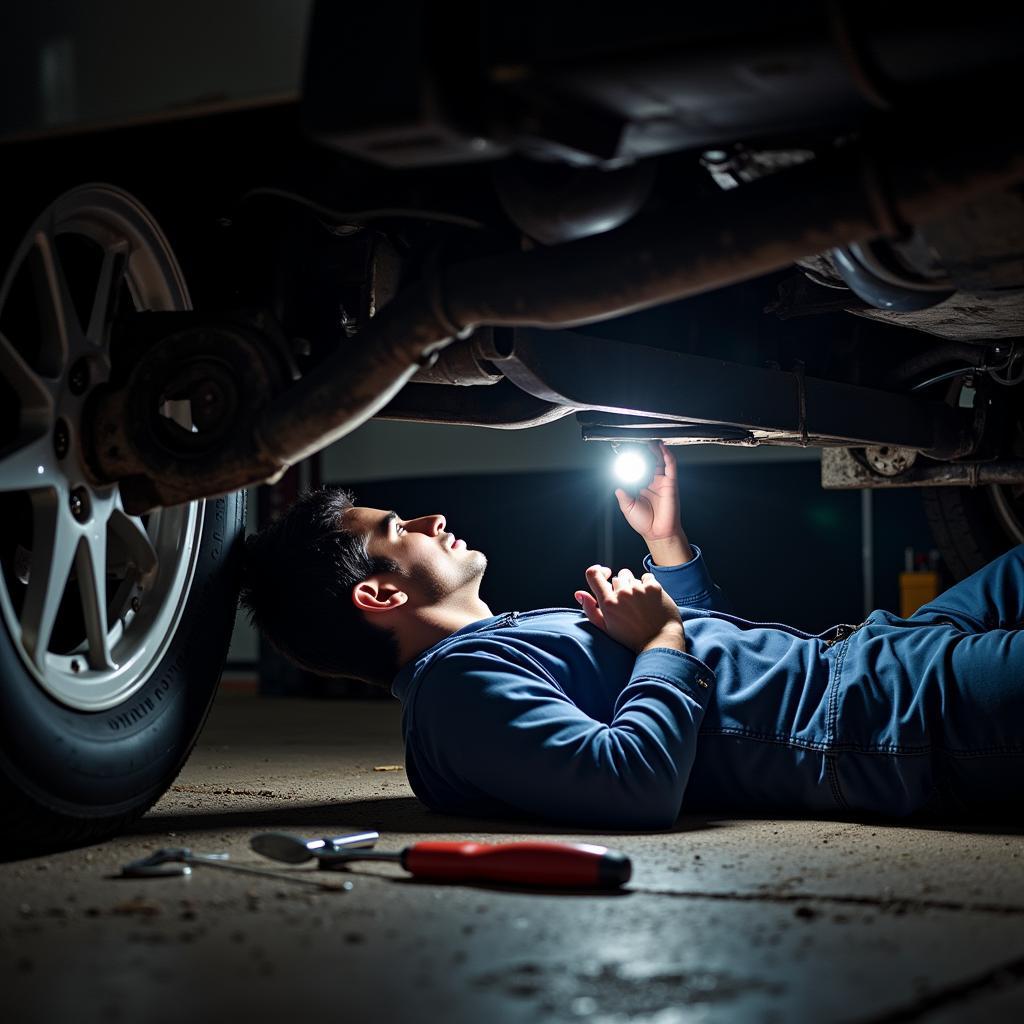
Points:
(654, 512)
(678, 565)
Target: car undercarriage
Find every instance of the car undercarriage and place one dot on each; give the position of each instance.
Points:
(452, 221)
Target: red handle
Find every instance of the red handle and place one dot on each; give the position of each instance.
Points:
(568, 865)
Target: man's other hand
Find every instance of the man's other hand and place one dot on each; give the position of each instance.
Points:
(636, 612)
(654, 511)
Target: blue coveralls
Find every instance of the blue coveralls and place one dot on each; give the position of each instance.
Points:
(540, 713)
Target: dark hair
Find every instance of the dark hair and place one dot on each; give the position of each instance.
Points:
(298, 576)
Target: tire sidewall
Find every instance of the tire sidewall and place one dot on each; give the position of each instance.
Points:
(965, 527)
(106, 763)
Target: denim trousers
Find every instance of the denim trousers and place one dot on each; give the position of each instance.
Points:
(927, 712)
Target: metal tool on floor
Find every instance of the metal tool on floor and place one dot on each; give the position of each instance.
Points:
(179, 860)
(555, 865)
(292, 849)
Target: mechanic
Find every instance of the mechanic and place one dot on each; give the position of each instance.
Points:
(609, 716)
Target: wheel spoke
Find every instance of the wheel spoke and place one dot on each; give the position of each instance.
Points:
(131, 531)
(91, 563)
(54, 542)
(111, 273)
(31, 467)
(57, 315)
(37, 405)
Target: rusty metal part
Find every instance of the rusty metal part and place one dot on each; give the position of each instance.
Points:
(978, 316)
(842, 470)
(887, 460)
(187, 410)
(977, 246)
(501, 407)
(669, 255)
(740, 234)
(462, 363)
(980, 244)
(356, 382)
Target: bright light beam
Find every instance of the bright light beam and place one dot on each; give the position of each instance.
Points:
(630, 467)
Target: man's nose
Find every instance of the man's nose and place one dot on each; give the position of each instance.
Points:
(431, 525)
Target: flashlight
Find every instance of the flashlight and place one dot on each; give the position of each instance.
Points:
(632, 466)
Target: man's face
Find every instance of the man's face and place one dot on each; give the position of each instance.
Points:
(434, 561)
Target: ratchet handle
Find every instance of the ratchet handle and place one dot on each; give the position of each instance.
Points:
(561, 865)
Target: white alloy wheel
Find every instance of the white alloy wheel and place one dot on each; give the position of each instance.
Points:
(90, 596)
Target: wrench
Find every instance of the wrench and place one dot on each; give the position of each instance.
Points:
(179, 860)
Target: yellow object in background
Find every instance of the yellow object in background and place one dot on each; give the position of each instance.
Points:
(916, 589)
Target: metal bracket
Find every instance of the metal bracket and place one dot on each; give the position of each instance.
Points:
(843, 469)
(730, 401)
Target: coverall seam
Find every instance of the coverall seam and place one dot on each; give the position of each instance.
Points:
(782, 739)
(831, 759)
(981, 624)
(983, 752)
(659, 677)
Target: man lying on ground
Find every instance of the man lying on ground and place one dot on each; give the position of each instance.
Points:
(651, 697)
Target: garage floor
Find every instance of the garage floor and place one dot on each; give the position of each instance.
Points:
(724, 921)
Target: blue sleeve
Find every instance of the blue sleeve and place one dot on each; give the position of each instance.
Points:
(690, 584)
(495, 729)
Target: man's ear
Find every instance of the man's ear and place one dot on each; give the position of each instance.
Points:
(375, 596)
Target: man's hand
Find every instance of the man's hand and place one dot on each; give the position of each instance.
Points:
(654, 512)
(636, 612)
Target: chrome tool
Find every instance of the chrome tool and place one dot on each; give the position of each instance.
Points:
(292, 849)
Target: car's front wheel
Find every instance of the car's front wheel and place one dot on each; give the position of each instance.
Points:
(113, 627)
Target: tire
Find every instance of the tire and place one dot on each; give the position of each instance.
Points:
(69, 776)
(113, 627)
(973, 525)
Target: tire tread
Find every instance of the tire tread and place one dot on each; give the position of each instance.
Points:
(965, 528)
(28, 825)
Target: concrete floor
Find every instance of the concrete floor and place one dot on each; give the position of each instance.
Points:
(724, 920)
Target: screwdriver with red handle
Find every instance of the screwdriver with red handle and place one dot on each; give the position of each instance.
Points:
(557, 865)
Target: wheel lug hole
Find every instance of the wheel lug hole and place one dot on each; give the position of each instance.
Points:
(78, 377)
(61, 439)
(81, 507)
(76, 665)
